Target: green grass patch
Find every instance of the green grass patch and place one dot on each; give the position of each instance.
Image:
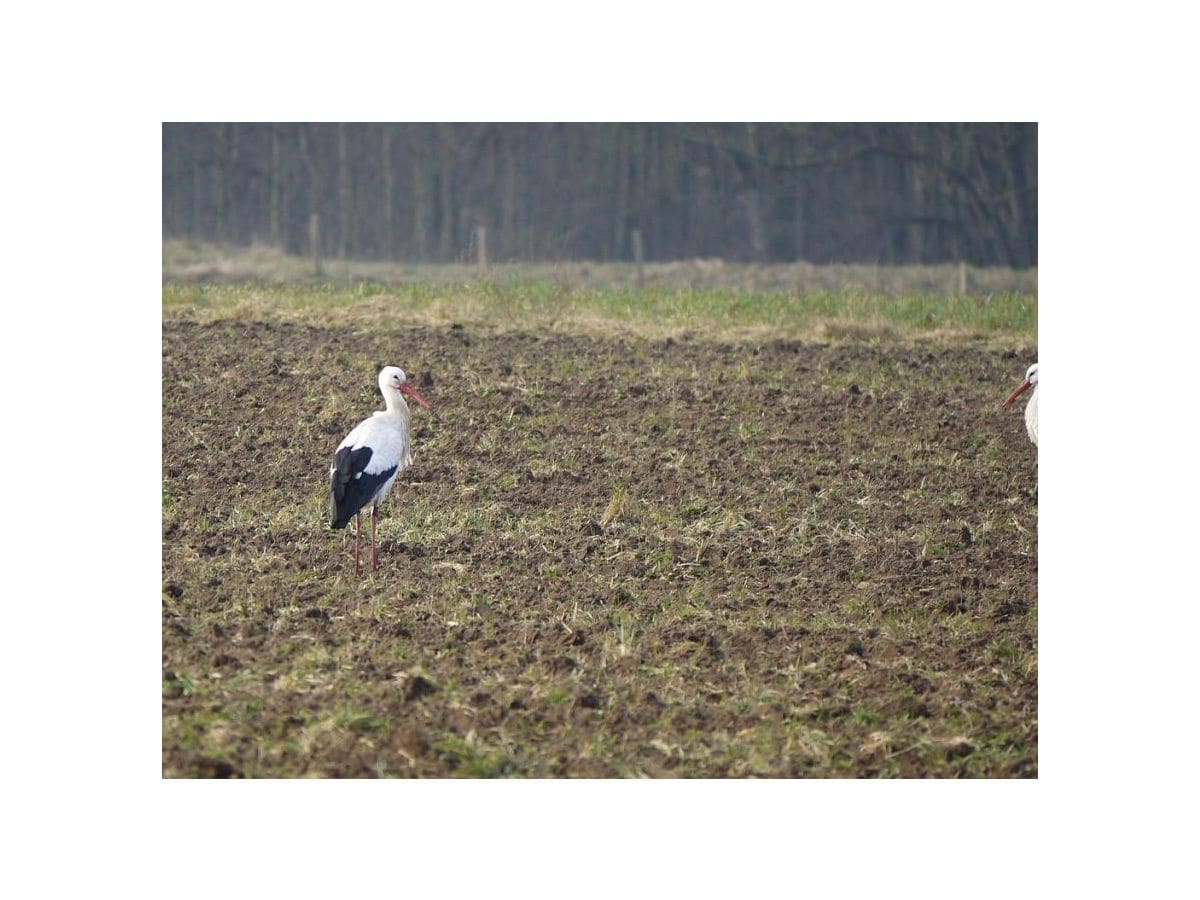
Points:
(851, 315)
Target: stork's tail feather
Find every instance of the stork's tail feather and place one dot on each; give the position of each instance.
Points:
(341, 514)
(338, 519)
(340, 510)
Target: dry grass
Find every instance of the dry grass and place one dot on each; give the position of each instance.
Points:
(190, 261)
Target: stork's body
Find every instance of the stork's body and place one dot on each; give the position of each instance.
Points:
(367, 462)
(1031, 409)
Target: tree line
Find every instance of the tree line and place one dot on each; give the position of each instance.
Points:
(876, 193)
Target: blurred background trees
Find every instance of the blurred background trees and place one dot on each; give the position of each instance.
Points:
(870, 193)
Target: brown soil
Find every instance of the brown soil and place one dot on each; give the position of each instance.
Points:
(610, 557)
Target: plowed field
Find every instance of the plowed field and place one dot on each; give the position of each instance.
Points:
(610, 557)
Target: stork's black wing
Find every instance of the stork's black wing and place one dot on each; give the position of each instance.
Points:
(351, 487)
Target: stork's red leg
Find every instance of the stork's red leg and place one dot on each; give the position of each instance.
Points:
(373, 508)
(357, 529)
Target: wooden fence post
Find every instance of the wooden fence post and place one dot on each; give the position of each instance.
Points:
(638, 257)
(314, 241)
(481, 249)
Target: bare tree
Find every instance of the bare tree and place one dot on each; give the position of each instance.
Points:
(758, 192)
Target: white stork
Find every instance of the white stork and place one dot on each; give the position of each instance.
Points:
(367, 462)
(1031, 409)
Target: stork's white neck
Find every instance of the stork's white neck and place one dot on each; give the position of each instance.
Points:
(396, 406)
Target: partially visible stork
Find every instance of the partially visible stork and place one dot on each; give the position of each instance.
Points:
(367, 462)
(1031, 410)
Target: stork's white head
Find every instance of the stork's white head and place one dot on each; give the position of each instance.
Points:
(392, 378)
(1031, 378)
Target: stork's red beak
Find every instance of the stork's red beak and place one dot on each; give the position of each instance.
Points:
(1021, 388)
(412, 391)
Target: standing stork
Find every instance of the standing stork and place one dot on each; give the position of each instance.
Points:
(367, 462)
(1031, 409)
